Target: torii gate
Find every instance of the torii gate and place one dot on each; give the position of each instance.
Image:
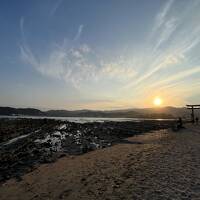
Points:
(193, 107)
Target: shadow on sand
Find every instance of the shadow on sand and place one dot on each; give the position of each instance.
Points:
(129, 142)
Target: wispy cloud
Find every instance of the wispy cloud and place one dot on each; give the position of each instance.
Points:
(164, 25)
(172, 40)
(164, 62)
(78, 34)
(163, 28)
(178, 76)
(69, 65)
(168, 28)
(55, 7)
(27, 56)
(21, 26)
(72, 63)
(166, 58)
(160, 17)
(118, 70)
(25, 52)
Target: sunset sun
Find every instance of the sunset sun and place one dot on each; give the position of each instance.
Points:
(157, 101)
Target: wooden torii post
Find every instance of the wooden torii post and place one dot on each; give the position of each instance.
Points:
(193, 107)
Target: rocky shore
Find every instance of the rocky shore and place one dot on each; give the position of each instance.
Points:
(27, 143)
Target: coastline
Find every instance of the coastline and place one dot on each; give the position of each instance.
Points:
(157, 165)
(28, 143)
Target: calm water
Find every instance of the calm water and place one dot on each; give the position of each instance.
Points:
(83, 119)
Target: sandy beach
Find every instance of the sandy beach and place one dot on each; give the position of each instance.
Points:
(157, 165)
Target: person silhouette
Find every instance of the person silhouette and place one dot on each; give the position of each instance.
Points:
(197, 120)
(179, 123)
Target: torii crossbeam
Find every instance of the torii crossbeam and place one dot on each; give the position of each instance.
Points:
(193, 107)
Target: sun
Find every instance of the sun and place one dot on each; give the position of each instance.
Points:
(157, 101)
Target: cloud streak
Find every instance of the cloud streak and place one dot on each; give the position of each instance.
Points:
(178, 76)
(80, 30)
(172, 40)
(166, 32)
(160, 18)
(55, 7)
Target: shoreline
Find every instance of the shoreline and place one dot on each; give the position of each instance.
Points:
(157, 165)
(51, 139)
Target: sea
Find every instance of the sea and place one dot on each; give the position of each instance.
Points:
(84, 119)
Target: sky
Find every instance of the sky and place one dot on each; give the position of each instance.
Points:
(99, 54)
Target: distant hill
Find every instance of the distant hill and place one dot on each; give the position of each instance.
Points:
(20, 111)
(165, 112)
(174, 111)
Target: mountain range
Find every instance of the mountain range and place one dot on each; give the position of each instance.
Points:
(162, 112)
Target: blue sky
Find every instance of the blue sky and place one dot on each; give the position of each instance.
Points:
(106, 54)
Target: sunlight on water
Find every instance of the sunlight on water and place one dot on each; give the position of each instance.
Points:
(84, 119)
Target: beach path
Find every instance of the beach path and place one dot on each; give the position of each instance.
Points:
(157, 165)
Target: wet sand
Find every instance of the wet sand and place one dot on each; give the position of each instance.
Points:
(158, 165)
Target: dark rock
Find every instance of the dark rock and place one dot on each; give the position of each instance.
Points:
(25, 154)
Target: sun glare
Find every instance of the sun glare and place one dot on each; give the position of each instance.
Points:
(157, 101)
